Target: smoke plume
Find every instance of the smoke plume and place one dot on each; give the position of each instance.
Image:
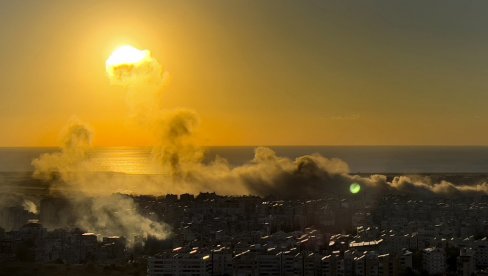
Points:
(176, 149)
(311, 176)
(76, 140)
(71, 175)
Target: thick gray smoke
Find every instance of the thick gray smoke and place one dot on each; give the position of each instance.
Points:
(270, 175)
(70, 172)
(308, 176)
(304, 177)
(76, 140)
(315, 176)
(176, 149)
(422, 185)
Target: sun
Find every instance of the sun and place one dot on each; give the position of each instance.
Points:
(129, 65)
(126, 55)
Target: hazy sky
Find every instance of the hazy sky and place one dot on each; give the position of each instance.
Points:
(258, 72)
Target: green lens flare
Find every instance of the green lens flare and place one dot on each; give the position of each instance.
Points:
(355, 188)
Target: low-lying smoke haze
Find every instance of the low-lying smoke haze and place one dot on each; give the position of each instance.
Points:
(267, 174)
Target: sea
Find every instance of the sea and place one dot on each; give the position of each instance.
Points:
(361, 159)
(459, 165)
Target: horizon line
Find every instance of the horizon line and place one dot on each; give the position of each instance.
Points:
(263, 145)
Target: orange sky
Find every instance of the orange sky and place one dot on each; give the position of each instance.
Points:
(256, 72)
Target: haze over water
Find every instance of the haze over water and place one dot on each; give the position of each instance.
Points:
(361, 159)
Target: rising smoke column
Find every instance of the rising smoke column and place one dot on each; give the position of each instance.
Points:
(76, 140)
(174, 129)
(176, 150)
(71, 175)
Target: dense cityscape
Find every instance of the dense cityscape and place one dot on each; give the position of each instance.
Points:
(251, 137)
(220, 235)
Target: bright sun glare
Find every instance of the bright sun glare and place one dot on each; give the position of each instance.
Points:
(129, 65)
(126, 55)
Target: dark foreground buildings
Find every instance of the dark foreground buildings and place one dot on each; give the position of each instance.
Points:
(215, 235)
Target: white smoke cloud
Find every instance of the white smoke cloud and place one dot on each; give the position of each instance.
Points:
(116, 214)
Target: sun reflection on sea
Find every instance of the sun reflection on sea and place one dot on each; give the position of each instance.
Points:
(129, 160)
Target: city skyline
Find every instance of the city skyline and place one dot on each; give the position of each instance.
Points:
(246, 137)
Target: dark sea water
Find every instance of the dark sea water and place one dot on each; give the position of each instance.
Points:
(384, 159)
(361, 159)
